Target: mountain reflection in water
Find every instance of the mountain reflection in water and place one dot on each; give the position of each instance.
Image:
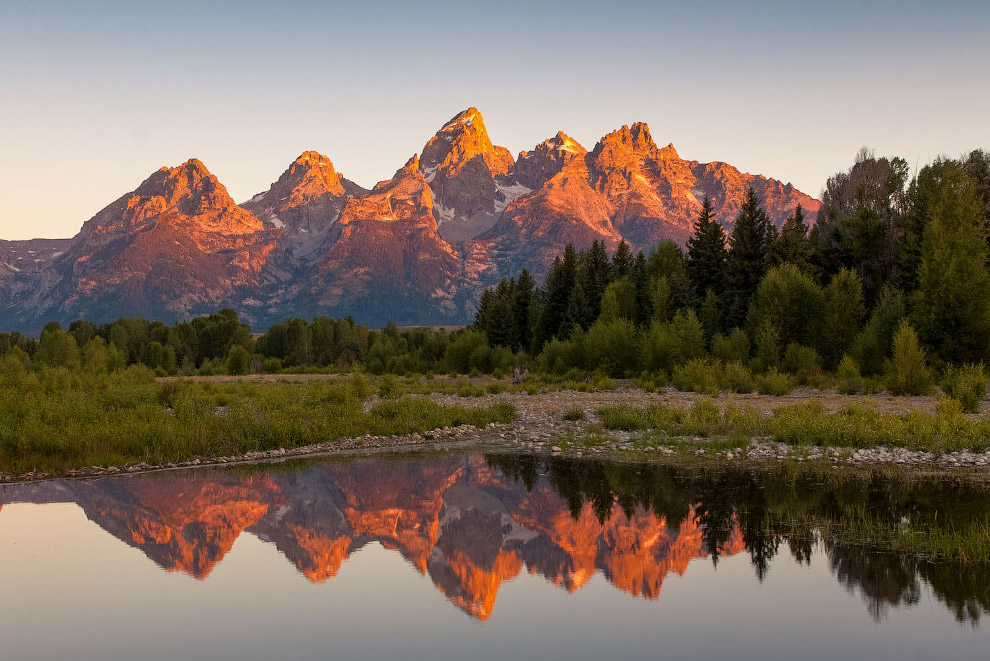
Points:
(471, 522)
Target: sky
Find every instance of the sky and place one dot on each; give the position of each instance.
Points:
(96, 96)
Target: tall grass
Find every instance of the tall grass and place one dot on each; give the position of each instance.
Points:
(853, 426)
(54, 419)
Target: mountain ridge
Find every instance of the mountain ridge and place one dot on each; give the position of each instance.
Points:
(416, 248)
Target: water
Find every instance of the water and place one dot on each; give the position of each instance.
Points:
(467, 556)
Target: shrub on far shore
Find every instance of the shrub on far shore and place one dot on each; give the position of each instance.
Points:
(625, 418)
(774, 383)
(907, 372)
(967, 385)
(699, 375)
(738, 379)
(850, 379)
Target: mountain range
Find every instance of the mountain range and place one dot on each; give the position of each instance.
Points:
(418, 248)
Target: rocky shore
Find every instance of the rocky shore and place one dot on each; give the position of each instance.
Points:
(540, 428)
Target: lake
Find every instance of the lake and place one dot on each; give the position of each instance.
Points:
(472, 556)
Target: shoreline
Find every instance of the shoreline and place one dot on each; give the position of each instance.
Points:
(539, 429)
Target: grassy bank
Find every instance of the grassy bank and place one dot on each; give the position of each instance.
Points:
(854, 426)
(54, 419)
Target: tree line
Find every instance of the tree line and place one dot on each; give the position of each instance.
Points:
(891, 283)
(890, 261)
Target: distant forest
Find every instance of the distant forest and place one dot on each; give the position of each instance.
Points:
(889, 289)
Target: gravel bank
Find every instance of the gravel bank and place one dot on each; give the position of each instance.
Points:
(540, 428)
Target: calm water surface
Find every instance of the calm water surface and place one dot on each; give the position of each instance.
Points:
(474, 557)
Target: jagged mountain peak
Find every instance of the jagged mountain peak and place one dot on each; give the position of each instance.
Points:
(183, 177)
(458, 141)
(462, 168)
(463, 119)
(312, 174)
(636, 139)
(307, 197)
(189, 185)
(534, 168)
(668, 153)
(412, 163)
(564, 142)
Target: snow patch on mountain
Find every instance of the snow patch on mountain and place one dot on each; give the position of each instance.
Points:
(506, 194)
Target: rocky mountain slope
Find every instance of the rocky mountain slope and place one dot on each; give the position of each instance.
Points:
(417, 248)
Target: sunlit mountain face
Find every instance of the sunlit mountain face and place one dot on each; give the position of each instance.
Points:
(417, 248)
(470, 523)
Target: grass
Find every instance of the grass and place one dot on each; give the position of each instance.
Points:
(54, 420)
(573, 415)
(625, 418)
(855, 426)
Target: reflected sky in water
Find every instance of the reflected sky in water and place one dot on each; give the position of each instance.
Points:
(443, 557)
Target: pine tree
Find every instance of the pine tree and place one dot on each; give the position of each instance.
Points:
(843, 314)
(555, 298)
(579, 311)
(748, 260)
(706, 254)
(595, 274)
(622, 261)
(667, 261)
(710, 315)
(795, 247)
(483, 317)
(641, 281)
(523, 305)
(501, 329)
(952, 303)
(619, 301)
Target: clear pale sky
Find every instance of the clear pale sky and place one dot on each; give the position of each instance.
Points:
(96, 96)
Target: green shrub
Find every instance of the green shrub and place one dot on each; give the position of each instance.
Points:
(625, 418)
(849, 378)
(799, 359)
(791, 303)
(271, 366)
(871, 346)
(738, 379)
(612, 346)
(573, 415)
(664, 417)
(734, 348)
(603, 383)
(237, 360)
(461, 350)
(699, 375)
(906, 372)
(767, 341)
(359, 386)
(703, 418)
(388, 388)
(967, 385)
(667, 345)
(774, 383)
